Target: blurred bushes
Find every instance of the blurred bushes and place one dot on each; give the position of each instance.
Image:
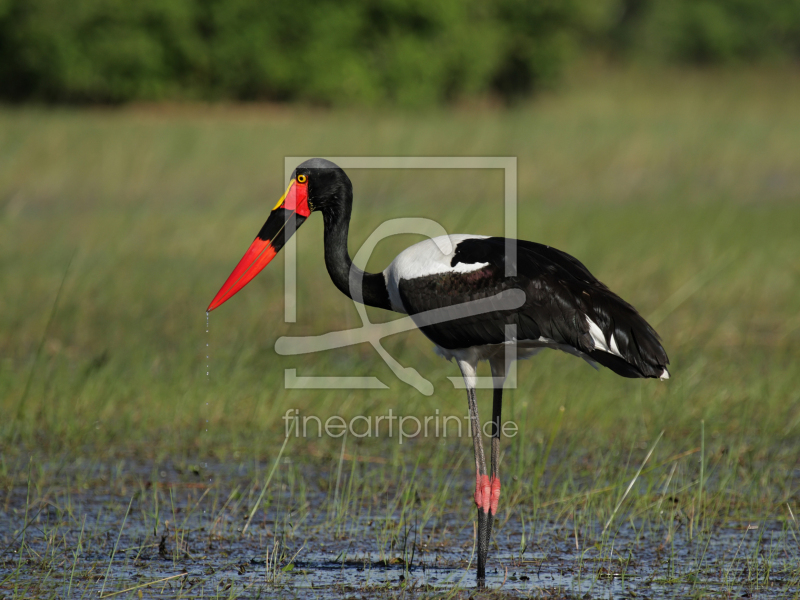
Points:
(407, 52)
(364, 52)
(709, 31)
(89, 50)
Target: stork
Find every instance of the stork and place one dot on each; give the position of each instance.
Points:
(545, 297)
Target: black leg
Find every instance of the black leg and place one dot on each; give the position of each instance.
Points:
(483, 548)
(497, 406)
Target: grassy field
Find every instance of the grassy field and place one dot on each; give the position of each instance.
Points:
(678, 190)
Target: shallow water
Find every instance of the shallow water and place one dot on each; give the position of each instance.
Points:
(183, 537)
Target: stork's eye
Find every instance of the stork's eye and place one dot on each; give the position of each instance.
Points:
(302, 179)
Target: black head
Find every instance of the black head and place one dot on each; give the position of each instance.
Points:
(329, 187)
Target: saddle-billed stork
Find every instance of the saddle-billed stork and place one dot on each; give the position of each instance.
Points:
(549, 299)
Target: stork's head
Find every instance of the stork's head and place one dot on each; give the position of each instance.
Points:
(316, 185)
(329, 188)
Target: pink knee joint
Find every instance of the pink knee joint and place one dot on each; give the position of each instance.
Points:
(483, 492)
(495, 495)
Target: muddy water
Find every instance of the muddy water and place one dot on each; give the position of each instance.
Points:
(96, 530)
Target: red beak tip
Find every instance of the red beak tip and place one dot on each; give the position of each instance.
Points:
(258, 255)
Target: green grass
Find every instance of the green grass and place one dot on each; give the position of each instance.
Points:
(678, 190)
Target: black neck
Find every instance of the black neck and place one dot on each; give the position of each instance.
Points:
(367, 288)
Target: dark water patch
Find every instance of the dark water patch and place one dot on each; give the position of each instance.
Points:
(89, 530)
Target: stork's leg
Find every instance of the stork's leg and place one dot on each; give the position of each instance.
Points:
(482, 486)
(499, 372)
(494, 481)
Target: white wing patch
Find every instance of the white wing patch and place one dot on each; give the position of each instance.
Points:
(600, 343)
(599, 339)
(612, 345)
(428, 257)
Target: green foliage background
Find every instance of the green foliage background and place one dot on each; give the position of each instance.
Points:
(355, 52)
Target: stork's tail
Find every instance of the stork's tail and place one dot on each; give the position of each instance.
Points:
(624, 342)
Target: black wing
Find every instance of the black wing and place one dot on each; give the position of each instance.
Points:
(560, 293)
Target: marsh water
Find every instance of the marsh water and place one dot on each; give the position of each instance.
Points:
(138, 530)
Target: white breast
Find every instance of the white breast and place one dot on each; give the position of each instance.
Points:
(428, 257)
